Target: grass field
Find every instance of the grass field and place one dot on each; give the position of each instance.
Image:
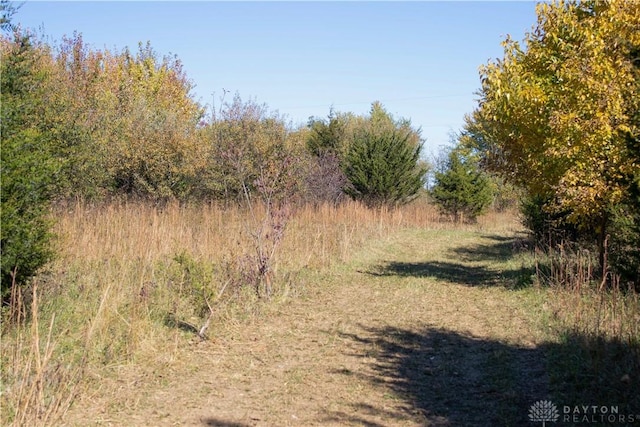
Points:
(374, 318)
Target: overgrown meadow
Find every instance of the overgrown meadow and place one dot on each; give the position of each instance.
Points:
(135, 284)
(138, 224)
(136, 287)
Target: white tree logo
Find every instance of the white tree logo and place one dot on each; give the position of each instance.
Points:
(543, 410)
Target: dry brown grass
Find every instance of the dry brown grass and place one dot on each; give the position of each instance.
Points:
(37, 388)
(120, 296)
(129, 290)
(130, 239)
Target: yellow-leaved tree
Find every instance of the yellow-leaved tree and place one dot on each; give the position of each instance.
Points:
(558, 114)
(129, 121)
(153, 150)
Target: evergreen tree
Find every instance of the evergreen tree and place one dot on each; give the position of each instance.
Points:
(384, 168)
(28, 167)
(461, 189)
(326, 136)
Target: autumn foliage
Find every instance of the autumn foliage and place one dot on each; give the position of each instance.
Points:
(558, 116)
(106, 124)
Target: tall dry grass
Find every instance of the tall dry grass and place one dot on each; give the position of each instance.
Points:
(597, 325)
(37, 386)
(584, 302)
(133, 284)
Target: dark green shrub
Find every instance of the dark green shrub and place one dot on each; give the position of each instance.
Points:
(384, 168)
(624, 237)
(549, 228)
(462, 189)
(28, 168)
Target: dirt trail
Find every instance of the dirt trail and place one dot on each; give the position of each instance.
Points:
(420, 329)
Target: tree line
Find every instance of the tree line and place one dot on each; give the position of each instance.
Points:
(82, 123)
(557, 123)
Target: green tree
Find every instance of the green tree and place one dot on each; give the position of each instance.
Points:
(384, 169)
(381, 122)
(28, 168)
(556, 115)
(326, 136)
(382, 161)
(461, 189)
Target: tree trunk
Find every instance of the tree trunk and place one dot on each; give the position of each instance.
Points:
(602, 248)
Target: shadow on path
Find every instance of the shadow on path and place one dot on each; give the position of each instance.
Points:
(501, 249)
(451, 379)
(214, 422)
(439, 377)
(468, 266)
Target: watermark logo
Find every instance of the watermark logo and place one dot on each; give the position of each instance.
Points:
(597, 414)
(543, 411)
(546, 411)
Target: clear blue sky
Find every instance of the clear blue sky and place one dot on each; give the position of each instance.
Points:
(420, 59)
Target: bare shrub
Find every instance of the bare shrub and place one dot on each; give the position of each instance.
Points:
(326, 180)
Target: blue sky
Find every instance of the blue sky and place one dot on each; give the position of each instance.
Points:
(420, 59)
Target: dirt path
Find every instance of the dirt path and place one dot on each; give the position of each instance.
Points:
(420, 329)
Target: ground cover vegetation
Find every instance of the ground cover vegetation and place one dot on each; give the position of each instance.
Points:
(141, 230)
